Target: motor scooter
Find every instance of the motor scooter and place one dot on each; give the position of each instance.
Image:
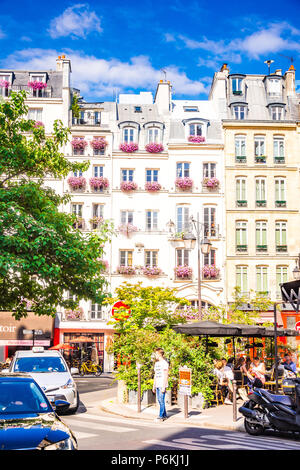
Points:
(268, 411)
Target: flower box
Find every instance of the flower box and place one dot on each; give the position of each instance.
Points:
(261, 248)
(183, 272)
(77, 182)
(279, 159)
(128, 186)
(210, 272)
(196, 139)
(152, 186)
(280, 203)
(241, 248)
(78, 144)
(281, 248)
(151, 271)
(211, 183)
(262, 203)
(240, 158)
(126, 229)
(127, 270)
(75, 314)
(4, 84)
(96, 221)
(99, 143)
(154, 148)
(38, 124)
(129, 148)
(260, 159)
(37, 85)
(185, 183)
(241, 203)
(99, 182)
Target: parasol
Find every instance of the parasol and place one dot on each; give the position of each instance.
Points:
(62, 346)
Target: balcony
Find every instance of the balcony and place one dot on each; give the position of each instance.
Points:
(241, 203)
(44, 93)
(240, 158)
(281, 248)
(261, 248)
(261, 203)
(263, 293)
(279, 160)
(242, 248)
(280, 203)
(91, 121)
(260, 159)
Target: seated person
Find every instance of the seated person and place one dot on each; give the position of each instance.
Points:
(225, 377)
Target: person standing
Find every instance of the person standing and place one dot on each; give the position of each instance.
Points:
(160, 384)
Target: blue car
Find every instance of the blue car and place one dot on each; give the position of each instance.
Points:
(27, 419)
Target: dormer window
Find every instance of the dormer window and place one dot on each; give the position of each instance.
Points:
(128, 135)
(237, 84)
(154, 135)
(239, 111)
(277, 113)
(195, 129)
(137, 109)
(274, 86)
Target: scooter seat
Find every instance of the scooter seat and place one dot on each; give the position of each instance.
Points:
(283, 399)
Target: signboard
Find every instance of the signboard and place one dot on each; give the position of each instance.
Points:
(297, 326)
(120, 311)
(185, 380)
(290, 293)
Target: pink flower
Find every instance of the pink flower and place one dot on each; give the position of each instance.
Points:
(128, 186)
(99, 143)
(152, 186)
(184, 183)
(211, 182)
(99, 182)
(154, 148)
(39, 124)
(151, 271)
(77, 182)
(4, 83)
(129, 147)
(127, 228)
(126, 270)
(183, 272)
(37, 85)
(78, 143)
(210, 271)
(196, 139)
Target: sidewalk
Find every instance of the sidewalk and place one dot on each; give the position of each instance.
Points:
(217, 417)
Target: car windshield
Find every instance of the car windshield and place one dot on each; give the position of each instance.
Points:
(39, 364)
(22, 397)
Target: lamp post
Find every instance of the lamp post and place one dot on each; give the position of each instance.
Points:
(203, 246)
(296, 270)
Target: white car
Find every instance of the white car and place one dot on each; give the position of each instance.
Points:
(50, 371)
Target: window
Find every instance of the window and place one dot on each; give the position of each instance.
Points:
(240, 188)
(209, 170)
(242, 279)
(126, 217)
(98, 171)
(97, 312)
(182, 219)
(195, 129)
(128, 135)
(182, 257)
(77, 173)
(151, 257)
(240, 148)
(151, 220)
(274, 86)
(277, 113)
(210, 227)
(126, 257)
(259, 146)
(98, 210)
(278, 149)
(281, 277)
(151, 176)
(39, 93)
(182, 170)
(210, 258)
(154, 135)
(262, 280)
(261, 235)
(241, 235)
(280, 194)
(35, 113)
(280, 236)
(127, 175)
(137, 109)
(260, 192)
(77, 209)
(239, 112)
(236, 84)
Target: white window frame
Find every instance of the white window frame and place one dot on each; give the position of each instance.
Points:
(209, 170)
(261, 232)
(262, 275)
(97, 210)
(260, 188)
(127, 174)
(278, 146)
(151, 220)
(239, 112)
(97, 312)
(182, 257)
(210, 221)
(259, 145)
(129, 134)
(152, 175)
(280, 189)
(241, 188)
(241, 232)
(77, 209)
(36, 114)
(277, 113)
(281, 228)
(240, 145)
(151, 258)
(154, 135)
(183, 169)
(242, 272)
(196, 128)
(126, 258)
(98, 171)
(182, 218)
(126, 217)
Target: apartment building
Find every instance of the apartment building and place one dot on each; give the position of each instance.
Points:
(259, 116)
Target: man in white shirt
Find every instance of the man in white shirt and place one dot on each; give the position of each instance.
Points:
(161, 373)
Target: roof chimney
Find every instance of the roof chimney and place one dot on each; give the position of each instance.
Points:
(290, 81)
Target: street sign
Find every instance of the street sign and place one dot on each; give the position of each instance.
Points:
(297, 326)
(30, 332)
(290, 292)
(185, 380)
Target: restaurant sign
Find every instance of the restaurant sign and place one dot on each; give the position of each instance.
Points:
(20, 332)
(185, 380)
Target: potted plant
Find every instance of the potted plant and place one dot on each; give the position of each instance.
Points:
(127, 186)
(183, 272)
(75, 314)
(129, 147)
(211, 183)
(96, 221)
(37, 85)
(77, 182)
(184, 183)
(198, 139)
(210, 272)
(99, 143)
(78, 143)
(4, 84)
(127, 270)
(153, 147)
(151, 271)
(99, 182)
(152, 186)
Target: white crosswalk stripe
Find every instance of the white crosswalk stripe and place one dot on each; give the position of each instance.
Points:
(87, 416)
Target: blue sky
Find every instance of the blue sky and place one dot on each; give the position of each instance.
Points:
(119, 46)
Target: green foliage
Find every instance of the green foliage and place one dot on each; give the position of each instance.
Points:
(75, 106)
(150, 306)
(41, 255)
(180, 350)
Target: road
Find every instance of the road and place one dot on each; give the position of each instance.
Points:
(97, 430)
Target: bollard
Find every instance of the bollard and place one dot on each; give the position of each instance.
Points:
(139, 398)
(186, 406)
(234, 401)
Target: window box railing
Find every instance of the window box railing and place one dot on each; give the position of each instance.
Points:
(281, 248)
(280, 203)
(237, 92)
(241, 248)
(91, 121)
(240, 158)
(43, 93)
(279, 159)
(260, 159)
(261, 203)
(261, 248)
(241, 203)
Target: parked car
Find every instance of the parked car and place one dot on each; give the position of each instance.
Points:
(50, 371)
(28, 421)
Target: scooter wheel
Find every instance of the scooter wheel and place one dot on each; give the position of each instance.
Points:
(253, 429)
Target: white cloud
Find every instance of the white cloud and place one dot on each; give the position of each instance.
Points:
(102, 78)
(76, 21)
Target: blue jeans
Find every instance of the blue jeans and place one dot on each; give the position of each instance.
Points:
(161, 401)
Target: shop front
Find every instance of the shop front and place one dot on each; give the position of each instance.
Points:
(25, 333)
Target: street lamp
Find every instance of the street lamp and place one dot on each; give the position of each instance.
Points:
(296, 270)
(203, 246)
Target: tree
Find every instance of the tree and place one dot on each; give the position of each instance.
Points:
(42, 255)
(150, 307)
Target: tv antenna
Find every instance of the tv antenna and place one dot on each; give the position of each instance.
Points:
(165, 74)
(269, 62)
(287, 57)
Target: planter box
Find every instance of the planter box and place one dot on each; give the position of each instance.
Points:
(148, 397)
(195, 401)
